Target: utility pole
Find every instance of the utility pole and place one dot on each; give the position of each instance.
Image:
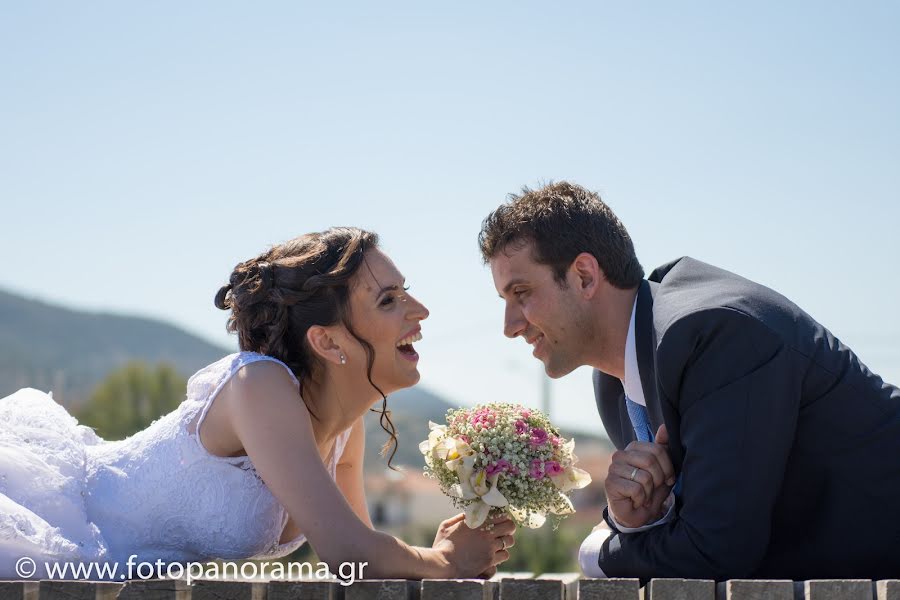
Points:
(546, 393)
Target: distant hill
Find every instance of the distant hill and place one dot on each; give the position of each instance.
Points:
(411, 409)
(55, 348)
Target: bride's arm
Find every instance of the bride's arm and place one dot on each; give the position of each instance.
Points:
(274, 426)
(350, 472)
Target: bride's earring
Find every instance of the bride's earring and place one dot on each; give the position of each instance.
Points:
(343, 359)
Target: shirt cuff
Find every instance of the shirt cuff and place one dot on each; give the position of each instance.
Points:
(669, 503)
(589, 553)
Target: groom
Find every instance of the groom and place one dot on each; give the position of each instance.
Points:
(752, 442)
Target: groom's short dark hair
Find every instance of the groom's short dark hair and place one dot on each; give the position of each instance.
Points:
(562, 220)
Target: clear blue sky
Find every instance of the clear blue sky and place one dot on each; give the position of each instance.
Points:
(147, 148)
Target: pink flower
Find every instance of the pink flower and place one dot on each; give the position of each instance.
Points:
(538, 436)
(484, 417)
(500, 466)
(551, 467)
(521, 427)
(555, 441)
(537, 469)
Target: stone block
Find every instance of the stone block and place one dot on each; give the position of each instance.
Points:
(155, 589)
(681, 589)
(609, 589)
(888, 589)
(305, 590)
(457, 589)
(383, 589)
(756, 589)
(837, 589)
(19, 590)
(62, 589)
(530, 589)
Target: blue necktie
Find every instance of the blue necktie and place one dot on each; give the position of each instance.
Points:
(641, 423)
(639, 420)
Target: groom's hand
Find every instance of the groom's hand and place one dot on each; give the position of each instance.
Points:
(639, 481)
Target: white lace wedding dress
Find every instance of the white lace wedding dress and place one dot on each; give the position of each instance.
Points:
(68, 495)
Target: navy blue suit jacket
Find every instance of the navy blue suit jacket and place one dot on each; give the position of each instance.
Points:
(788, 447)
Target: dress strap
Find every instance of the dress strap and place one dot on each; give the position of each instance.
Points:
(240, 360)
(339, 444)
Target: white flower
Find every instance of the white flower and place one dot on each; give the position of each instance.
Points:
(439, 446)
(572, 478)
(437, 432)
(567, 508)
(476, 486)
(457, 452)
(531, 520)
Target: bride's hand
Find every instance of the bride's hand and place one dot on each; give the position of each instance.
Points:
(474, 552)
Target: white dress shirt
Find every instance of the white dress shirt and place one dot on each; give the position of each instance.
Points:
(589, 553)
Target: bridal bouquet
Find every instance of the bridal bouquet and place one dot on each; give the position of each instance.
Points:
(503, 457)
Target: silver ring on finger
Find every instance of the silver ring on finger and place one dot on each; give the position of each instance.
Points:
(633, 473)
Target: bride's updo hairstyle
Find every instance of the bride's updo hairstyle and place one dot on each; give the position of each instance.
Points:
(276, 297)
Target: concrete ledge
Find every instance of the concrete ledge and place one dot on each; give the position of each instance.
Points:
(209, 589)
(457, 589)
(838, 589)
(19, 590)
(78, 590)
(504, 586)
(755, 589)
(383, 589)
(609, 589)
(304, 590)
(887, 589)
(569, 583)
(682, 589)
(531, 589)
(155, 589)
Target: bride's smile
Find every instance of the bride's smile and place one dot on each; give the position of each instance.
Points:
(384, 314)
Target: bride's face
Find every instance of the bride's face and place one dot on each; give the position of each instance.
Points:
(385, 315)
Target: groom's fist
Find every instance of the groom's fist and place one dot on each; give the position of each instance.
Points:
(639, 481)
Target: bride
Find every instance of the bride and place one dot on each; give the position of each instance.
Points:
(265, 452)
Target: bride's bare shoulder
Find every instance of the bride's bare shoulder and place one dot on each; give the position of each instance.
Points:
(259, 379)
(256, 386)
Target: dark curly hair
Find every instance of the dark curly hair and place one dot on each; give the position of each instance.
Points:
(562, 220)
(276, 297)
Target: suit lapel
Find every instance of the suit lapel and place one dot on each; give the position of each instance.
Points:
(645, 346)
(610, 399)
(658, 409)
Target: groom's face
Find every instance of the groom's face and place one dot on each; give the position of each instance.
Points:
(539, 309)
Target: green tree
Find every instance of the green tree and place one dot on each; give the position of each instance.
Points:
(546, 550)
(131, 398)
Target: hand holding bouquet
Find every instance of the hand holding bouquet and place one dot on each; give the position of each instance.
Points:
(496, 458)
